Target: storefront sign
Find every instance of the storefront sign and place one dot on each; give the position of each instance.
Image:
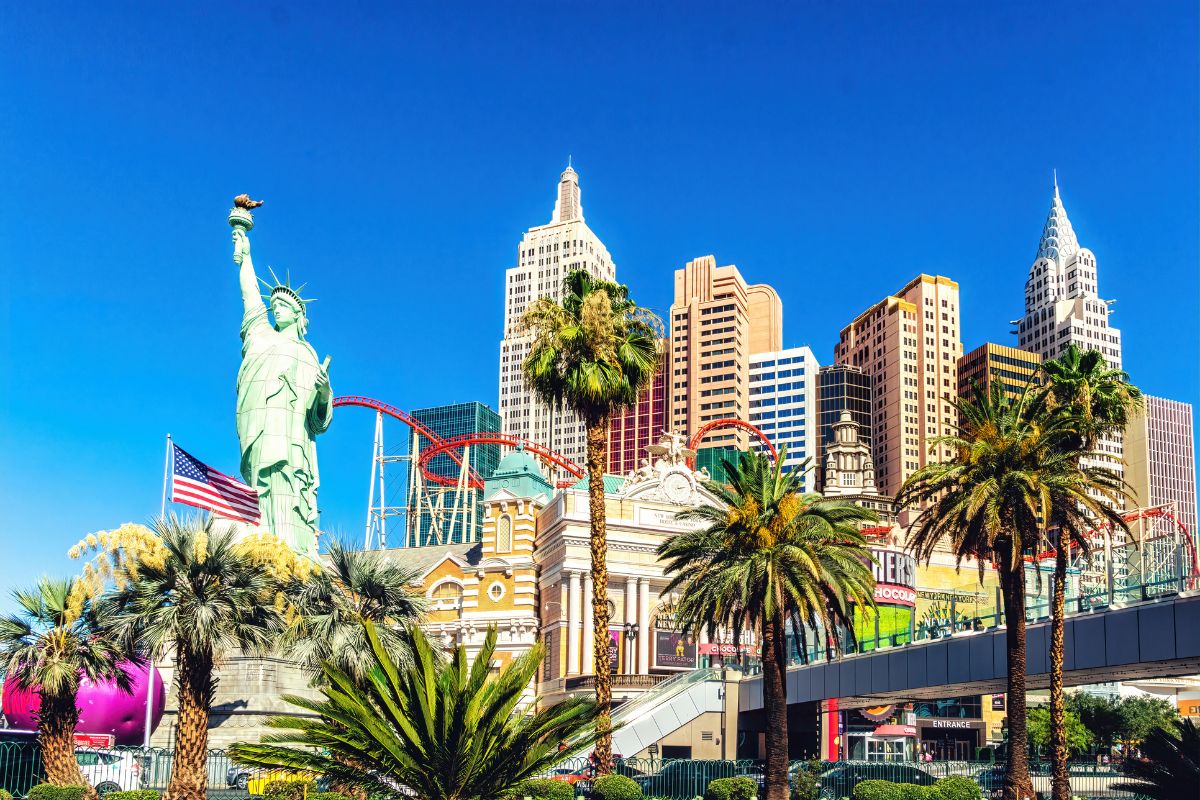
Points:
(896, 730)
(727, 649)
(99, 740)
(959, 724)
(895, 577)
(674, 650)
(997, 702)
(657, 518)
(614, 650)
(878, 713)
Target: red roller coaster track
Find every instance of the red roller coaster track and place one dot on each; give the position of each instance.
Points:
(439, 446)
(1154, 512)
(728, 423)
(448, 446)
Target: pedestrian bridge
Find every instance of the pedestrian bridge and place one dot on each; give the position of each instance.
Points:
(1157, 638)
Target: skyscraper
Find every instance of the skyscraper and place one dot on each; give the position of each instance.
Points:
(633, 429)
(783, 405)
(1010, 368)
(841, 387)
(544, 257)
(430, 526)
(717, 322)
(1062, 306)
(909, 343)
(1161, 458)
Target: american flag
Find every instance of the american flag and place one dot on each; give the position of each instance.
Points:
(194, 483)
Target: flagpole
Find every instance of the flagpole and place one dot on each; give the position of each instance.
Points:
(162, 512)
(150, 656)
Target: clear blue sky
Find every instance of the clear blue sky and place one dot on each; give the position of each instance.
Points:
(833, 150)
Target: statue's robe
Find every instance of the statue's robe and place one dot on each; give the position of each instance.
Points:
(278, 418)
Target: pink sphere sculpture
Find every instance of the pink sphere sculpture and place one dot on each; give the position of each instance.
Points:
(103, 707)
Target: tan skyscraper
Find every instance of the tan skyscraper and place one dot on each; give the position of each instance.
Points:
(717, 322)
(545, 256)
(909, 343)
(988, 365)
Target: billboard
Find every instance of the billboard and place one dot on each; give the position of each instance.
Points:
(674, 650)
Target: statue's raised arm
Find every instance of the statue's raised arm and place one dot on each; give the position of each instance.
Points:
(242, 221)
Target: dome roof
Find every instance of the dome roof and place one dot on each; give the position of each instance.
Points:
(519, 462)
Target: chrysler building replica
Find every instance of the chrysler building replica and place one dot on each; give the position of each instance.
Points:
(1062, 306)
(545, 256)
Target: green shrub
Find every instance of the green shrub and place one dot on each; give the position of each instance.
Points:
(329, 796)
(5, 795)
(46, 791)
(806, 781)
(289, 790)
(616, 787)
(958, 787)
(877, 790)
(911, 791)
(136, 794)
(742, 788)
(544, 789)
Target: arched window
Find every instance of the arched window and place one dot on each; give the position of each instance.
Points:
(447, 595)
(504, 534)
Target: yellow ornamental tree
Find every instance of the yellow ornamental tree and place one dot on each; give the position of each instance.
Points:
(194, 588)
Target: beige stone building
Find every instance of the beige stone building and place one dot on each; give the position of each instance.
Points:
(717, 322)
(909, 343)
(1160, 458)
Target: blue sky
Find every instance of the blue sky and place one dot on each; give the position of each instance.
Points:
(833, 150)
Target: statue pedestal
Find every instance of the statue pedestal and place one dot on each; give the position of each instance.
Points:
(248, 694)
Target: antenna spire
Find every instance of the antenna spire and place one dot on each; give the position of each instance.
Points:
(1056, 197)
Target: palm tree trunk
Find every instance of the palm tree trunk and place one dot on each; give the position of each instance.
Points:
(774, 660)
(56, 732)
(189, 771)
(1017, 785)
(597, 458)
(1058, 717)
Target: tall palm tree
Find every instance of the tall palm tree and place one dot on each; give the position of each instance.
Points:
(1096, 401)
(987, 502)
(434, 730)
(592, 354)
(357, 586)
(55, 639)
(194, 591)
(767, 556)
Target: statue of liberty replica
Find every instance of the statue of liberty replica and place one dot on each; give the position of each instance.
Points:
(284, 400)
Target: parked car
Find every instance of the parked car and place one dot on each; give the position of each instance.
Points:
(109, 770)
(840, 780)
(238, 778)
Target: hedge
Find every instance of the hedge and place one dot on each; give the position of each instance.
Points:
(289, 790)
(876, 790)
(48, 791)
(5, 795)
(806, 785)
(136, 794)
(957, 787)
(741, 788)
(324, 796)
(544, 789)
(616, 787)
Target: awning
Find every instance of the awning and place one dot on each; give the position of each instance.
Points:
(896, 730)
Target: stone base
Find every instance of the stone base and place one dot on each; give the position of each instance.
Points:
(249, 692)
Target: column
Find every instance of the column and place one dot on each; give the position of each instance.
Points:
(573, 623)
(587, 666)
(629, 664)
(644, 633)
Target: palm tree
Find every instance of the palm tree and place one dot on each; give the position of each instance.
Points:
(358, 586)
(591, 355)
(434, 730)
(987, 501)
(1096, 401)
(55, 639)
(1170, 766)
(191, 589)
(767, 556)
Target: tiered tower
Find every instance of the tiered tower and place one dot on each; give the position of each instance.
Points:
(545, 256)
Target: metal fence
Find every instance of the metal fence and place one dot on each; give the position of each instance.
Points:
(684, 779)
(668, 779)
(119, 769)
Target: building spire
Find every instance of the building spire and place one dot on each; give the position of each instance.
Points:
(568, 205)
(1056, 197)
(1058, 241)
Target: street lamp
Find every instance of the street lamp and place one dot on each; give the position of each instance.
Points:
(631, 635)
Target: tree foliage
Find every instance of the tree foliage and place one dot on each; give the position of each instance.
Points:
(442, 731)
(1170, 765)
(1079, 738)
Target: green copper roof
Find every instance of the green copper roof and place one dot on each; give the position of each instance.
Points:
(612, 484)
(518, 473)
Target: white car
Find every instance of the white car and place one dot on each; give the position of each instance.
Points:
(109, 770)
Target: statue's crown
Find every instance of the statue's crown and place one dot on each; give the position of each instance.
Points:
(284, 288)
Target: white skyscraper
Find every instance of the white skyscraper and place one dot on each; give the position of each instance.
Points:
(783, 405)
(546, 254)
(1062, 306)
